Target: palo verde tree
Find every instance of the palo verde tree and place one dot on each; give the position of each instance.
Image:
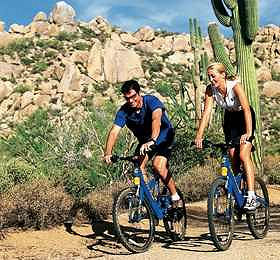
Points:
(242, 17)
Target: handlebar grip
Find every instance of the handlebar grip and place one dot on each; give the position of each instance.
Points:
(114, 158)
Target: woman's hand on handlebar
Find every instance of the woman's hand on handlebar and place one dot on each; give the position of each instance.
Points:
(198, 142)
(107, 158)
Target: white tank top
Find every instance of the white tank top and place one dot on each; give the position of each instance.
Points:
(230, 101)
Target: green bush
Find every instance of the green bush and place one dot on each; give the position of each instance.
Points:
(22, 88)
(39, 66)
(31, 138)
(165, 88)
(66, 36)
(82, 46)
(20, 46)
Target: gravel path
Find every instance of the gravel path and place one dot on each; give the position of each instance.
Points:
(83, 243)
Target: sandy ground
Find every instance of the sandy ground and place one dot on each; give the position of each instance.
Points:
(84, 243)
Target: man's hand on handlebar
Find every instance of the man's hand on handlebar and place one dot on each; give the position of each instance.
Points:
(146, 147)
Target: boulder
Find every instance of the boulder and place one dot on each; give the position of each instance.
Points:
(271, 89)
(62, 13)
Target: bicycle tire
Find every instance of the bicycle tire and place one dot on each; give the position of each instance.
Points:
(220, 214)
(258, 221)
(175, 220)
(133, 222)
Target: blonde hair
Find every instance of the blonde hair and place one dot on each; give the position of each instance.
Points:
(220, 67)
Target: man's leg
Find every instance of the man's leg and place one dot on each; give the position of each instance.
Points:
(160, 167)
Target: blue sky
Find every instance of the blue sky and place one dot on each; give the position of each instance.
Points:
(132, 14)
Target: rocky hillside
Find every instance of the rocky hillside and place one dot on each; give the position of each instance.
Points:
(64, 65)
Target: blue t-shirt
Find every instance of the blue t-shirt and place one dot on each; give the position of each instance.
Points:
(140, 123)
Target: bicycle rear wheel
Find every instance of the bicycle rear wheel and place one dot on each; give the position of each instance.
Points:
(175, 220)
(220, 214)
(258, 221)
(133, 221)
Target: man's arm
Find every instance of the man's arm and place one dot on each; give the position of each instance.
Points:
(156, 123)
(111, 140)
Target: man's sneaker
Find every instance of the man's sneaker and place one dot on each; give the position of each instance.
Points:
(251, 204)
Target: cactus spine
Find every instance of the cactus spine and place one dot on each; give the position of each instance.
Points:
(244, 23)
(198, 69)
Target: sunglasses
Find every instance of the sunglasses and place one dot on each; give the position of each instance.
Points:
(133, 97)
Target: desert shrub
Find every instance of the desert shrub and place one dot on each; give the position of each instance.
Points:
(98, 204)
(38, 205)
(66, 36)
(87, 33)
(50, 43)
(39, 66)
(15, 171)
(272, 169)
(156, 66)
(275, 75)
(82, 46)
(20, 46)
(26, 60)
(22, 88)
(195, 183)
(165, 88)
(31, 137)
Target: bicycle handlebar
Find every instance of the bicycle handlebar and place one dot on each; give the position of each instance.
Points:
(131, 158)
(210, 144)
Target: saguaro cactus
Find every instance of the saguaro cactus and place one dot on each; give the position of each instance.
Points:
(198, 69)
(242, 17)
(219, 49)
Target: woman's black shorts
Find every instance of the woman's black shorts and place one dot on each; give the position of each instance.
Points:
(234, 126)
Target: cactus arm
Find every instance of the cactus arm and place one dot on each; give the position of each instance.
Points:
(191, 33)
(219, 49)
(221, 13)
(230, 4)
(251, 19)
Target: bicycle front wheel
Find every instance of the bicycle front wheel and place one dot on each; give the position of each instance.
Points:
(175, 220)
(258, 221)
(220, 214)
(133, 221)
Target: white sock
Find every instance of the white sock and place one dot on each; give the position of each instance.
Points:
(251, 194)
(175, 197)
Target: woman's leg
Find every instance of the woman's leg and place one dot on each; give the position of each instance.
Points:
(245, 157)
(235, 160)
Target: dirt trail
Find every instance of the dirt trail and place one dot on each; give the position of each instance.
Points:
(84, 243)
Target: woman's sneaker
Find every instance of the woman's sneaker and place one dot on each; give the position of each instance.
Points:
(251, 204)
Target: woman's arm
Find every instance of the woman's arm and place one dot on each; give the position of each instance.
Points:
(208, 104)
(240, 93)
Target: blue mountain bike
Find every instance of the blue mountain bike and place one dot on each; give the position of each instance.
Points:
(226, 199)
(138, 209)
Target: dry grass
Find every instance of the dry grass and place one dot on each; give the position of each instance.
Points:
(195, 184)
(272, 169)
(34, 205)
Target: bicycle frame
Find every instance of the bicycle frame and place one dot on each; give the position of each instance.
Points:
(144, 193)
(233, 183)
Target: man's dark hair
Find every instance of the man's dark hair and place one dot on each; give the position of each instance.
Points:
(130, 84)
